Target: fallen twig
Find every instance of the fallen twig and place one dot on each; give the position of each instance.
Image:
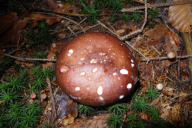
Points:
(52, 98)
(157, 5)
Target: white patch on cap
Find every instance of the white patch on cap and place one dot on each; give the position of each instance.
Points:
(77, 88)
(100, 53)
(132, 65)
(94, 70)
(101, 98)
(82, 58)
(131, 60)
(121, 96)
(69, 54)
(64, 69)
(82, 73)
(93, 61)
(114, 73)
(124, 71)
(100, 90)
(71, 51)
(129, 86)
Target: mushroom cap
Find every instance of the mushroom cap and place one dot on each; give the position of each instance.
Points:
(96, 69)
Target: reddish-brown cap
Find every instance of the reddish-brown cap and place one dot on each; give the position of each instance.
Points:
(96, 69)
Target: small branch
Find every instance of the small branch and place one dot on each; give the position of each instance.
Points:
(166, 58)
(137, 31)
(52, 98)
(157, 5)
(64, 18)
(30, 59)
(136, 50)
(108, 29)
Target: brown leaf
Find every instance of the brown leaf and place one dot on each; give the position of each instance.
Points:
(180, 16)
(6, 22)
(153, 35)
(166, 113)
(147, 72)
(61, 35)
(119, 32)
(93, 122)
(13, 33)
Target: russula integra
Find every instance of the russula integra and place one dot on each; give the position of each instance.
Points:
(96, 69)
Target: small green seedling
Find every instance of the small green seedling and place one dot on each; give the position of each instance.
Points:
(84, 109)
(151, 92)
(114, 120)
(118, 108)
(136, 16)
(93, 13)
(153, 112)
(125, 17)
(111, 19)
(8, 96)
(140, 104)
(117, 6)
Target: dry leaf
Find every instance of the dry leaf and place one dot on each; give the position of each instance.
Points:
(7, 21)
(153, 35)
(119, 32)
(61, 35)
(181, 17)
(93, 122)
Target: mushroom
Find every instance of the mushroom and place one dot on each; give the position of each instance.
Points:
(96, 69)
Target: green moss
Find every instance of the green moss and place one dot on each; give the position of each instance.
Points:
(84, 109)
(140, 104)
(114, 120)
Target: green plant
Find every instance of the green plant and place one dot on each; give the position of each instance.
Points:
(114, 120)
(132, 118)
(33, 89)
(141, 124)
(129, 2)
(87, 110)
(118, 108)
(136, 16)
(93, 13)
(151, 92)
(48, 72)
(42, 25)
(108, 3)
(111, 19)
(160, 123)
(13, 6)
(117, 6)
(125, 17)
(140, 104)
(16, 83)
(39, 82)
(4, 86)
(39, 54)
(153, 13)
(3, 121)
(153, 112)
(15, 114)
(41, 35)
(5, 62)
(22, 73)
(37, 72)
(32, 108)
(8, 96)
(28, 120)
